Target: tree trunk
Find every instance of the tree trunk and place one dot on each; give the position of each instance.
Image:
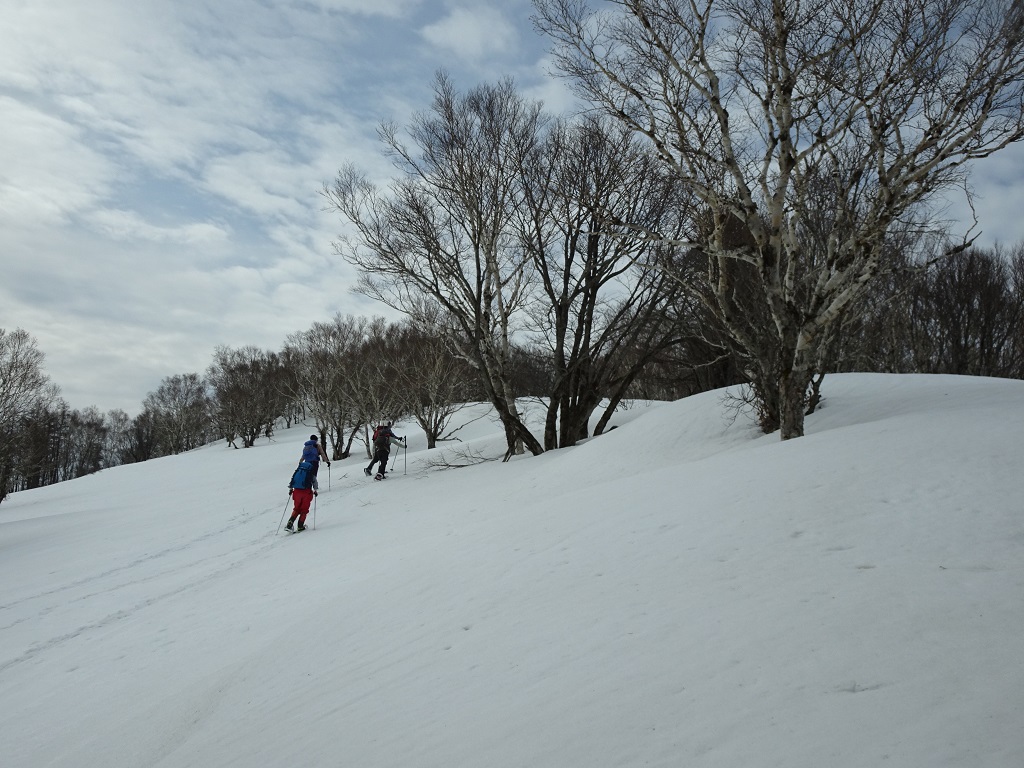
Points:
(794, 381)
(551, 422)
(792, 388)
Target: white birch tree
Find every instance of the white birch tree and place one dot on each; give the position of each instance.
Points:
(761, 106)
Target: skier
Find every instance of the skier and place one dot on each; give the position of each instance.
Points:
(312, 452)
(383, 438)
(302, 488)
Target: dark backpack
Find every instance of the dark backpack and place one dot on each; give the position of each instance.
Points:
(381, 438)
(302, 477)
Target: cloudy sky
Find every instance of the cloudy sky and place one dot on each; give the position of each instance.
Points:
(160, 165)
(161, 161)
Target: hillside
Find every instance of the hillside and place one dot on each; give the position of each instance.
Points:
(681, 591)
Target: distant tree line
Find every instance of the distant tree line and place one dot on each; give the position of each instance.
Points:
(342, 377)
(961, 315)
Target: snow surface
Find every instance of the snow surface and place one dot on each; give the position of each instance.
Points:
(681, 591)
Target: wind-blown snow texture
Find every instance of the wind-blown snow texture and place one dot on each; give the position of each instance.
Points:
(678, 592)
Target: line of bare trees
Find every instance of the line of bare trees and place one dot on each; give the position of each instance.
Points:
(352, 372)
(502, 231)
(342, 376)
(960, 315)
(965, 316)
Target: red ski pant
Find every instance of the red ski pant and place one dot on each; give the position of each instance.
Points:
(302, 497)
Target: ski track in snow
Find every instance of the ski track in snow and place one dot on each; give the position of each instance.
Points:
(121, 568)
(196, 572)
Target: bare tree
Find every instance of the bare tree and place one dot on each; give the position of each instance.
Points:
(24, 387)
(1016, 258)
(181, 409)
(325, 366)
(604, 312)
(81, 437)
(963, 315)
(442, 236)
(22, 380)
(247, 398)
(761, 106)
(141, 441)
(973, 316)
(377, 388)
(116, 445)
(434, 383)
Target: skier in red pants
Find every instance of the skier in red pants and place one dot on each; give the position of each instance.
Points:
(302, 489)
(302, 497)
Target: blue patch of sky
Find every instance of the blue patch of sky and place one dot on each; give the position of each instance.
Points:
(168, 203)
(164, 201)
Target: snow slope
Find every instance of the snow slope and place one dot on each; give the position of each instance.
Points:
(681, 591)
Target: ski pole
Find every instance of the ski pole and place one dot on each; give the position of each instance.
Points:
(328, 477)
(405, 456)
(284, 513)
(394, 461)
(314, 511)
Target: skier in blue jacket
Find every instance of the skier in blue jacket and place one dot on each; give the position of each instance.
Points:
(312, 452)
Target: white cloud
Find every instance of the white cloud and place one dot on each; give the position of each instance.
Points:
(389, 8)
(260, 183)
(129, 225)
(47, 171)
(474, 33)
(554, 92)
(999, 198)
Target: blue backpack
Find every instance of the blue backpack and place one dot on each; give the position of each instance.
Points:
(310, 452)
(303, 476)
